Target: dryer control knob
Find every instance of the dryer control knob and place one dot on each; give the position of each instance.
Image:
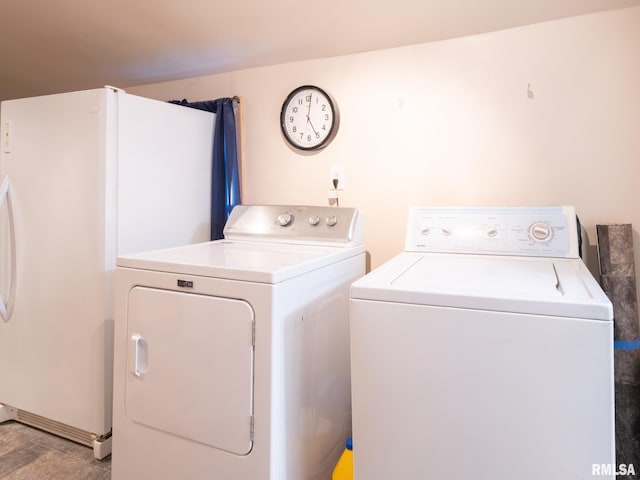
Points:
(332, 220)
(540, 232)
(284, 219)
(446, 231)
(492, 232)
(425, 231)
(314, 220)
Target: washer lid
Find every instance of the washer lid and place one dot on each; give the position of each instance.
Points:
(240, 260)
(544, 286)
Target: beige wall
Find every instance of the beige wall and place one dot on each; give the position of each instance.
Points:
(452, 122)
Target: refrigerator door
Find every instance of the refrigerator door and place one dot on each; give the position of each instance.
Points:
(93, 174)
(53, 351)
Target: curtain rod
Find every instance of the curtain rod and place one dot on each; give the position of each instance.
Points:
(235, 98)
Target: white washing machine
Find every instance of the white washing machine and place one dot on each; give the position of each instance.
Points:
(232, 356)
(484, 351)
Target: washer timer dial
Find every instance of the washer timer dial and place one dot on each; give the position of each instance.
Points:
(540, 232)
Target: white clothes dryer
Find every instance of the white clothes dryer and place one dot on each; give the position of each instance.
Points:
(232, 356)
(484, 351)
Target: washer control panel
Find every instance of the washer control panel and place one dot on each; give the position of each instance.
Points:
(295, 224)
(526, 231)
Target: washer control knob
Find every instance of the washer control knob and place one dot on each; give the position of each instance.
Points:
(492, 232)
(285, 219)
(332, 220)
(425, 231)
(446, 231)
(540, 232)
(314, 220)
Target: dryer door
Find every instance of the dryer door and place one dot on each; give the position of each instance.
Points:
(190, 366)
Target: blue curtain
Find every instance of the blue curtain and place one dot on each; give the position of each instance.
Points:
(225, 178)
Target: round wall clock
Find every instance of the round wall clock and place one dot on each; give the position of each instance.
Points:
(309, 118)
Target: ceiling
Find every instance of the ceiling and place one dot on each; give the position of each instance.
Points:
(50, 47)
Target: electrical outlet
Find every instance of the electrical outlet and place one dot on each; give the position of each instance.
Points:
(336, 177)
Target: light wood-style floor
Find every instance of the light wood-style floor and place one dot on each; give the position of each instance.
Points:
(30, 454)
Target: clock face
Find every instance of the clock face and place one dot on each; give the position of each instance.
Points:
(309, 118)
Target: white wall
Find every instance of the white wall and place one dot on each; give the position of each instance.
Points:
(451, 122)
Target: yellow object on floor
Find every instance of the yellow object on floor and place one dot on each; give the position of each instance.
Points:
(344, 467)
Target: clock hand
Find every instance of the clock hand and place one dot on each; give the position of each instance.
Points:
(311, 123)
(309, 110)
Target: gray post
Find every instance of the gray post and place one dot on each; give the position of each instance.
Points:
(618, 278)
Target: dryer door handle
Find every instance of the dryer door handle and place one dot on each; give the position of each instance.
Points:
(140, 355)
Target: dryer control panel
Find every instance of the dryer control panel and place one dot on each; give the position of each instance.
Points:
(296, 224)
(524, 231)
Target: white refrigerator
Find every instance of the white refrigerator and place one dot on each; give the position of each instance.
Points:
(84, 177)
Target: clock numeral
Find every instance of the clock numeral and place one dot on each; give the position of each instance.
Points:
(294, 109)
(324, 107)
(294, 129)
(291, 119)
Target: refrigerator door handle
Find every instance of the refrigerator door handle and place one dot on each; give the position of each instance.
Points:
(6, 308)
